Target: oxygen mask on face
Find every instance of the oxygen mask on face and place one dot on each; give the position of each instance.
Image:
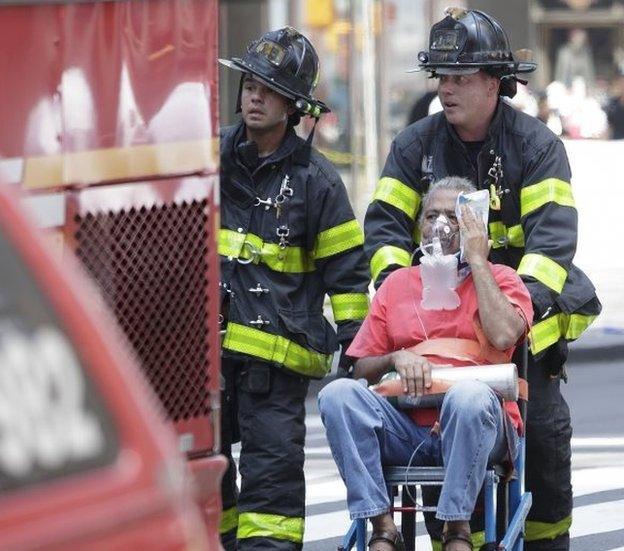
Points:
(442, 237)
(438, 270)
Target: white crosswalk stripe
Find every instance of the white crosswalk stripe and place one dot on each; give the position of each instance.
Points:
(598, 482)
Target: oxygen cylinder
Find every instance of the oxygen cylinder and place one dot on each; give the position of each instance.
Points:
(502, 378)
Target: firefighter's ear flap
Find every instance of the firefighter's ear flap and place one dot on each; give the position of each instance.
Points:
(508, 86)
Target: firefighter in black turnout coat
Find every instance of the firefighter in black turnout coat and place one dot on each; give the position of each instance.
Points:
(533, 226)
(288, 238)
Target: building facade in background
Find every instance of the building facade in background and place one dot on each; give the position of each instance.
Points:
(366, 47)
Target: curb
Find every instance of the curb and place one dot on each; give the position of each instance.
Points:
(598, 345)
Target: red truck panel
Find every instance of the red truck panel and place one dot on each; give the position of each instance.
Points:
(108, 91)
(135, 484)
(117, 111)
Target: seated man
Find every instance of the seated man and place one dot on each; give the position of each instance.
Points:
(365, 431)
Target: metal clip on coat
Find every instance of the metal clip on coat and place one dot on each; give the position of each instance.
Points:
(259, 321)
(283, 232)
(268, 203)
(495, 173)
(254, 253)
(258, 290)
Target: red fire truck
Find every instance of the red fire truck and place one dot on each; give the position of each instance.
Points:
(109, 122)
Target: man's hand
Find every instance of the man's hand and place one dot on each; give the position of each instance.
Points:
(345, 362)
(415, 372)
(473, 237)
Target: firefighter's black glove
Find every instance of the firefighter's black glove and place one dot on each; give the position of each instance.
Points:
(345, 363)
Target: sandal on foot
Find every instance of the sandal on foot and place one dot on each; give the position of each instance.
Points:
(393, 538)
(452, 535)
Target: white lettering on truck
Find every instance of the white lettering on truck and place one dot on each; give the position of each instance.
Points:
(43, 419)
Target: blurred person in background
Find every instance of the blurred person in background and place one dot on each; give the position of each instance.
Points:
(533, 226)
(615, 109)
(547, 115)
(583, 117)
(574, 59)
(421, 107)
(524, 100)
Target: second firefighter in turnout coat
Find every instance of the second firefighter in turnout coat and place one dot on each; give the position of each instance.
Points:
(532, 223)
(288, 239)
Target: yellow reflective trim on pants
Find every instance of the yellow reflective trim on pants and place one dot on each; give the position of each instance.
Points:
(229, 520)
(543, 269)
(277, 349)
(503, 236)
(349, 306)
(534, 530)
(478, 539)
(399, 195)
(259, 525)
(551, 190)
(338, 239)
(249, 246)
(386, 256)
(547, 332)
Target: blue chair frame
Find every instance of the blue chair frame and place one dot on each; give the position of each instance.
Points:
(508, 535)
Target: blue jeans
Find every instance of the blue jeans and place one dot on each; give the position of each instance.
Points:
(365, 432)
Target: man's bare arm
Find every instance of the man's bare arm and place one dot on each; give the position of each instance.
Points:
(414, 370)
(502, 324)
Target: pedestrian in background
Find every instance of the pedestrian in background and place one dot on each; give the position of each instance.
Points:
(615, 109)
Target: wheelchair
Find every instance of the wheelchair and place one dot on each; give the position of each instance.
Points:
(506, 503)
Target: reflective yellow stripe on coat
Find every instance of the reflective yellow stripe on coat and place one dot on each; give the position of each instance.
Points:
(547, 332)
(259, 525)
(338, 239)
(503, 236)
(229, 520)
(277, 349)
(551, 190)
(386, 256)
(249, 246)
(399, 195)
(349, 306)
(543, 269)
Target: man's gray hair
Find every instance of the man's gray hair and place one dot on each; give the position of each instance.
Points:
(452, 183)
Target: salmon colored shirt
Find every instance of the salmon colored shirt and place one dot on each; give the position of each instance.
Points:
(396, 320)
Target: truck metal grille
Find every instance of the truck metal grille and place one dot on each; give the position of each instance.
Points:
(151, 264)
